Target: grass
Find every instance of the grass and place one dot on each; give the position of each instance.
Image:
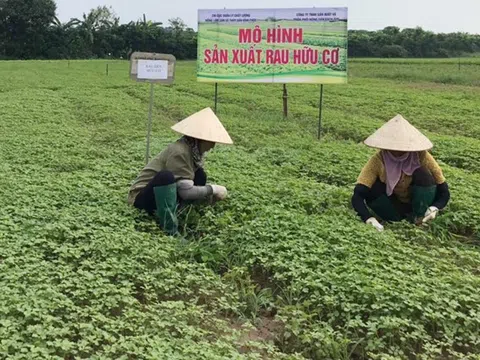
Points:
(461, 71)
(85, 276)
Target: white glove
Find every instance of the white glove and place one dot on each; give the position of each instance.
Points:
(431, 214)
(220, 192)
(372, 221)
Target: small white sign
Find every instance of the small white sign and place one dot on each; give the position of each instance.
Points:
(152, 69)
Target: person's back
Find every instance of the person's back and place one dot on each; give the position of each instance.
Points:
(159, 163)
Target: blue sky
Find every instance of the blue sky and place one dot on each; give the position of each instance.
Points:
(435, 15)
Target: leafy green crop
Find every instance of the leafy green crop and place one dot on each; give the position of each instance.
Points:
(281, 270)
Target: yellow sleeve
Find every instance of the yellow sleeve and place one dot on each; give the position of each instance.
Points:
(434, 168)
(370, 172)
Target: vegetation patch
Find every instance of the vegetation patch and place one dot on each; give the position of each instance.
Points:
(281, 270)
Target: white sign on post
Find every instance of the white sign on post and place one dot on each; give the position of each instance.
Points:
(152, 69)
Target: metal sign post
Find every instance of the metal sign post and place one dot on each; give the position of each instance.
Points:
(320, 112)
(216, 97)
(152, 68)
(285, 101)
(147, 156)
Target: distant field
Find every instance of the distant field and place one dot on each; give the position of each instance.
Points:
(281, 270)
(463, 61)
(463, 71)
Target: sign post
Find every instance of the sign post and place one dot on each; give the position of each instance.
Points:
(150, 108)
(320, 105)
(216, 97)
(152, 68)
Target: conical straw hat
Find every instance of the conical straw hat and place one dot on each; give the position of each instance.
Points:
(398, 135)
(204, 125)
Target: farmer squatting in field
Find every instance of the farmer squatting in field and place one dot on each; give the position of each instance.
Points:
(401, 181)
(176, 176)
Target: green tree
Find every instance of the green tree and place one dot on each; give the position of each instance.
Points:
(147, 24)
(393, 51)
(30, 29)
(97, 20)
(24, 25)
(56, 23)
(177, 24)
(59, 39)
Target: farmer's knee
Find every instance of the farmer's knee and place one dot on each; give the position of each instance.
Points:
(423, 177)
(378, 189)
(200, 177)
(163, 178)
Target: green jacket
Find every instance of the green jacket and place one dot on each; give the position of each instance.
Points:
(176, 158)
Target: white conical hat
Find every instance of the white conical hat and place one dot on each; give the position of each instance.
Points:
(398, 135)
(204, 125)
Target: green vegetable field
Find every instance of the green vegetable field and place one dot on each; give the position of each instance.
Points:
(283, 269)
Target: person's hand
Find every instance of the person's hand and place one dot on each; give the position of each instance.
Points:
(374, 222)
(219, 192)
(431, 214)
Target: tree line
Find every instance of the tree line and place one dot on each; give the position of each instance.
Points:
(29, 29)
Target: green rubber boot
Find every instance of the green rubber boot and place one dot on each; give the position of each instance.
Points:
(422, 198)
(166, 201)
